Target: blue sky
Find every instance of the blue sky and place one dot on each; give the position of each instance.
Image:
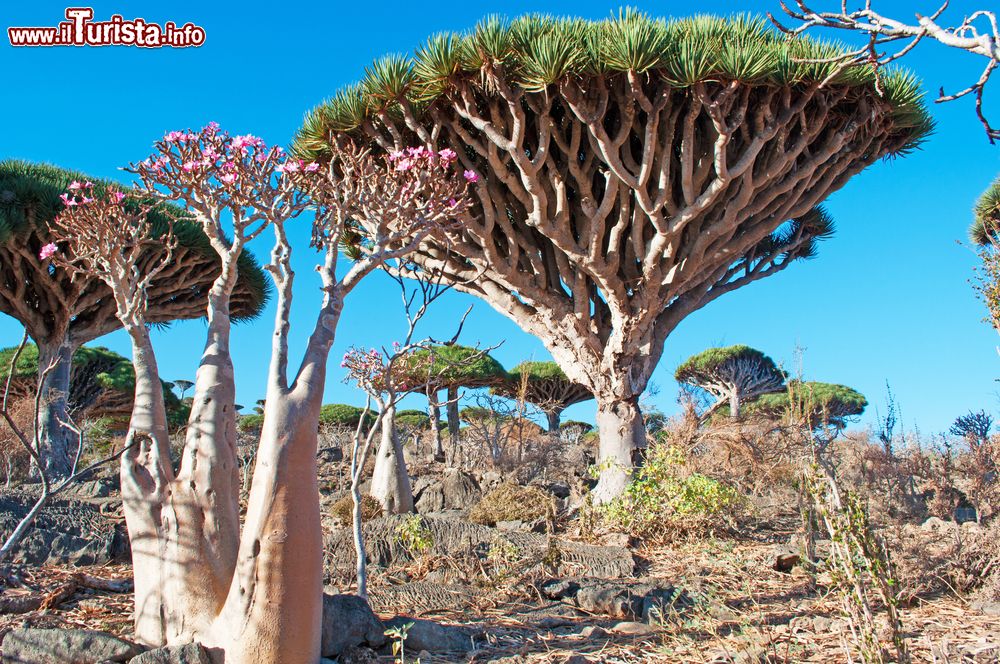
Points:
(887, 299)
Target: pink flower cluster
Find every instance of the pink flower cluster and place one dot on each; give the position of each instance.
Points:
(409, 158)
(176, 136)
(48, 251)
(292, 166)
(78, 195)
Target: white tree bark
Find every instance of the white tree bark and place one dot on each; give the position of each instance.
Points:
(390, 479)
(622, 432)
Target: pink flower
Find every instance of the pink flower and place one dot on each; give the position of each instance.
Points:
(312, 167)
(404, 165)
(87, 200)
(173, 136)
(118, 196)
(211, 128)
(247, 140)
(395, 154)
(67, 201)
(471, 176)
(228, 178)
(447, 155)
(191, 165)
(288, 167)
(452, 202)
(48, 251)
(74, 185)
(88, 185)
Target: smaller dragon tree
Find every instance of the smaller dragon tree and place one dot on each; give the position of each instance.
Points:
(101, 387)
(543, 384)
(818, 405)
(732, 375)
(984, 234)
(62, 310)
(452, 367)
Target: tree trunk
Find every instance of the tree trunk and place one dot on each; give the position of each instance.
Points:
(434, 410)
(454, 424)
(390, 479)
(553, 418)
(734, 404)
(58, 443)
(273, 612)
(622, 432)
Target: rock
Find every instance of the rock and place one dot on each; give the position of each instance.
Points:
(434, 637)
(65, 646)
(934, 524)
(65, 532)
(594, 632)
(986, 608)
(557, 489)
(629, 600)
(355, 655)
(455, 490)
(632, 629)
(784, 562)
(191, 653)
(560, 588)
(348, 621)
(423, 656)
(965, 514)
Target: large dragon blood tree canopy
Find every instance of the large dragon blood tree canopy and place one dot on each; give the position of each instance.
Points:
(631, 171)
(61, 312)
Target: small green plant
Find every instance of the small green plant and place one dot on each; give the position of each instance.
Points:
(414, 535)
(398, 636)
(662, 497)
(502, 556)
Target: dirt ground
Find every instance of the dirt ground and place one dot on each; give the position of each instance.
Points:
(740, 610)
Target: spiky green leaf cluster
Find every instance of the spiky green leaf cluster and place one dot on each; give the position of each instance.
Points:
(986, 215)
(537, 371)
(535, 52)
(342, 414)
(29, 200)
(708, 362)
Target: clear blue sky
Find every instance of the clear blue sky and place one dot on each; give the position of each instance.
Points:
(887, 299)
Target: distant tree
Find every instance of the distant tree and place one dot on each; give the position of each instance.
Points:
(816, 404)
(452, 367)
(344, 415)
(543, 384)
(974, 427)
(102, 384)
(732, 375)
(63, 310)
(183, 386)
(985, 234)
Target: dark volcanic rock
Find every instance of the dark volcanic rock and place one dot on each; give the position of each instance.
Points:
(435, 637)
(65, 532)
(65, 646)
(191, 653)
(455, 490)
(348, 621)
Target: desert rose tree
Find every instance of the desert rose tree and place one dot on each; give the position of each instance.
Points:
(633, 170)
(62, 313)
(254, 594)
(543, 384)
(732, 375)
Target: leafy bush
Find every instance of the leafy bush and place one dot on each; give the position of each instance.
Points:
(342, 414)
(663, 498)
(414, 535)
(510, 502)
(343, 509)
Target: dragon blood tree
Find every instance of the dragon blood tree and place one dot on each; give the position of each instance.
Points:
(985, 233)
(813, 403)
(101, 386)
(633, 170)
(544, 385)
(61, 312)
(731, 375)
(451, 367)
(252, 594)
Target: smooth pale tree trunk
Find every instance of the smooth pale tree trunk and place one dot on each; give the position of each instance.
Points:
(390, 479)
(454, 423)
(273, 612)
(57, 441)
(553, 420)
(734, 405)
(434, 410)
(622, 432)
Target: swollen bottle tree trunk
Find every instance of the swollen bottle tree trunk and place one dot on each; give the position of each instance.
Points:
(390, 479)
(57, 440)
(621, 433)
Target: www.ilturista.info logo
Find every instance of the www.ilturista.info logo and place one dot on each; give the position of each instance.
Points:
(80, 30)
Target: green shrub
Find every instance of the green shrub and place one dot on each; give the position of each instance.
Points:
(510, 502)
(343, 509)
(414, 535)
(663, 499)
(342, 414)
